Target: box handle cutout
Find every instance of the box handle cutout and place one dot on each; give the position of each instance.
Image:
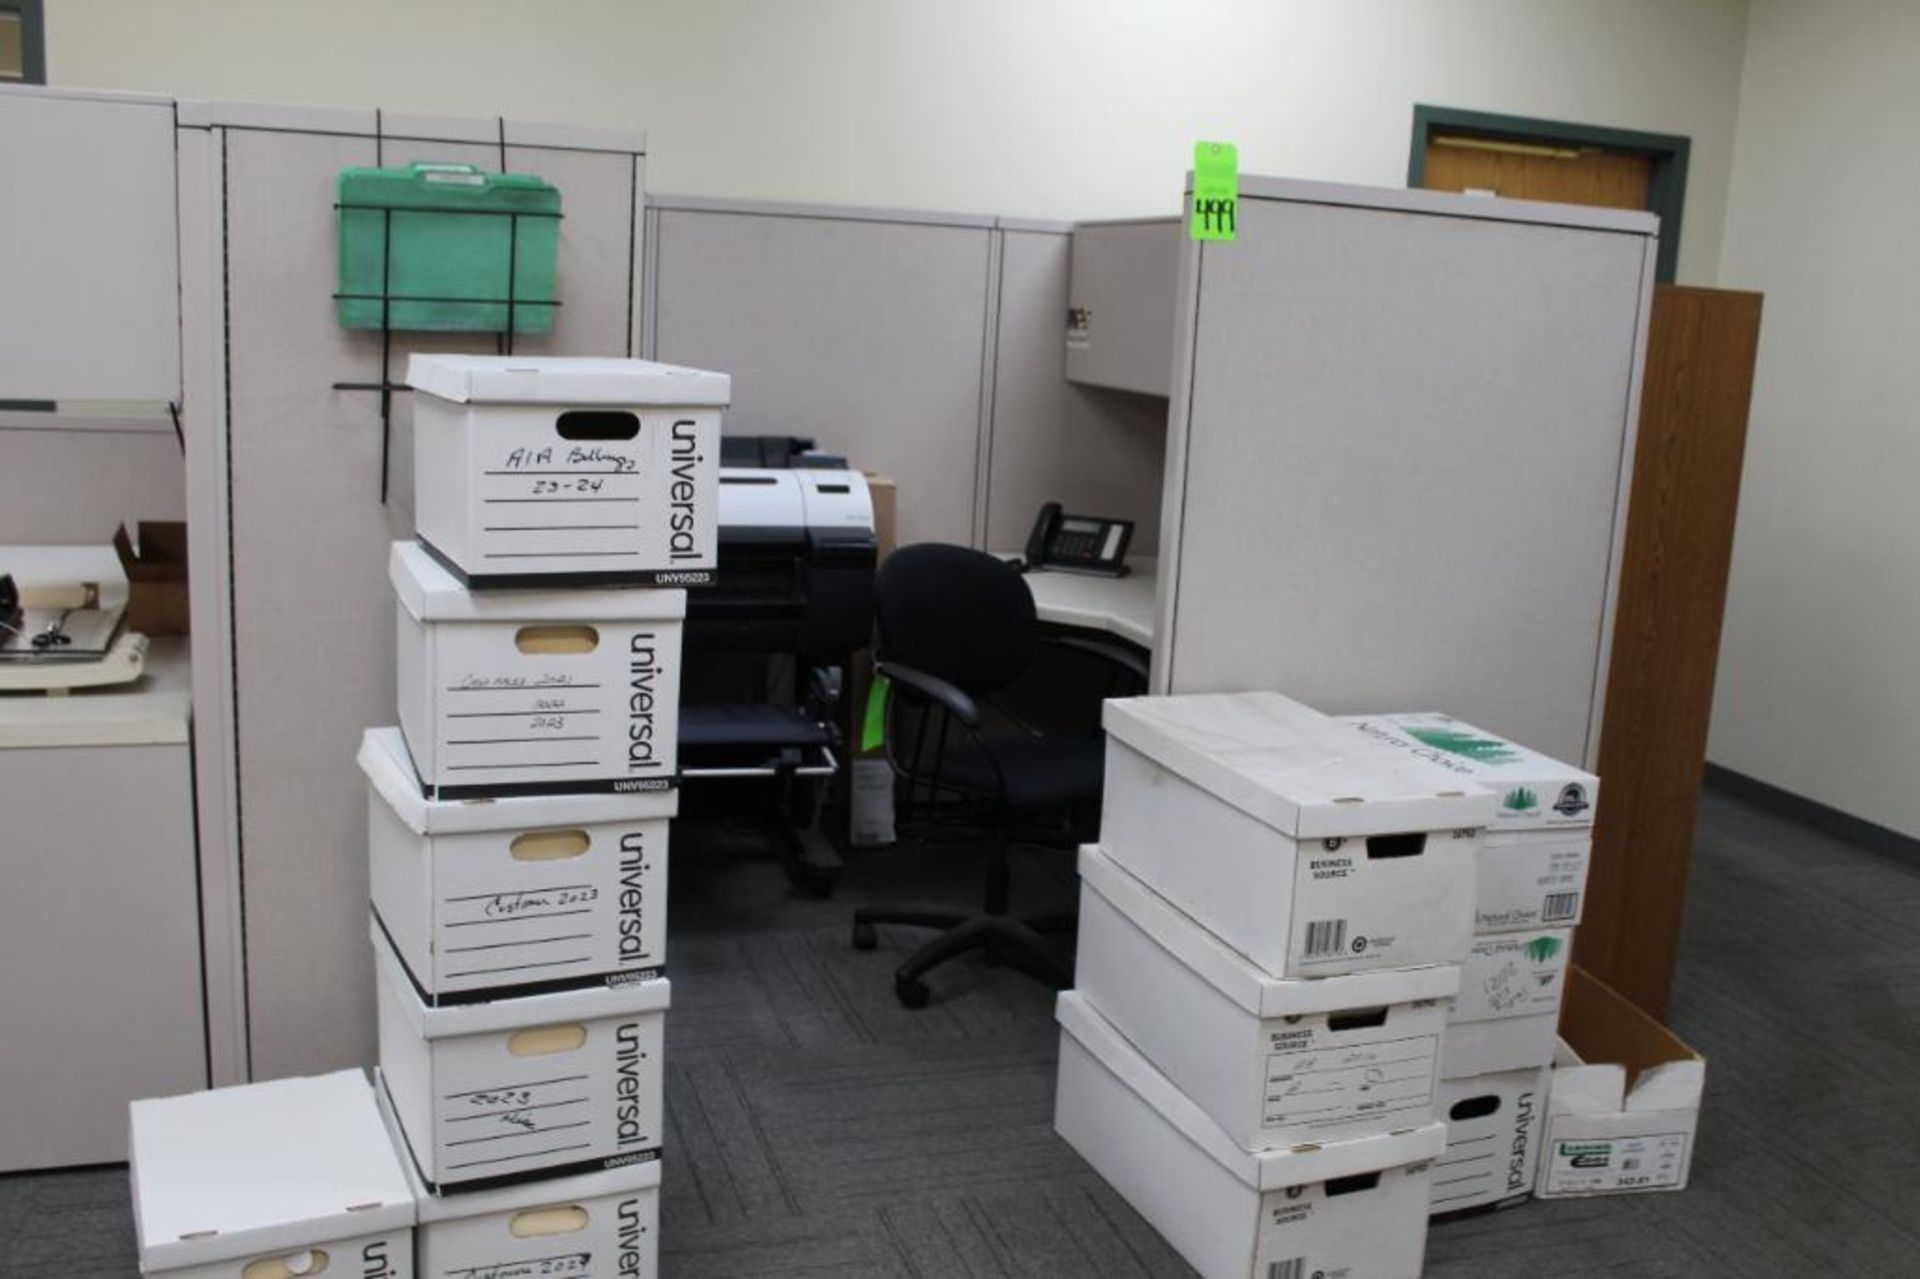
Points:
(556, 639)
(1348, 1185)
(543, 1040)
(1397, 845)
(549, 845)
(1357, 1018)
(537, 1223)
(312, 1261)
(598, 424)
(1475, 1107)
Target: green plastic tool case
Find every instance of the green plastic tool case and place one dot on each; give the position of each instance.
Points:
(447, 247)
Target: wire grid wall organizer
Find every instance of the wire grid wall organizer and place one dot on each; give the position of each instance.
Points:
(385, 386)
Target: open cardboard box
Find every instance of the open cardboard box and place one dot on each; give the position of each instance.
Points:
(154, 556)
(1625, 1102)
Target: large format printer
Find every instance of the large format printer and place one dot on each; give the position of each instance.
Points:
(768, 643)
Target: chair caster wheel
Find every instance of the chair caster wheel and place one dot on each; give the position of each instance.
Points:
(864, 938)
(911, 993)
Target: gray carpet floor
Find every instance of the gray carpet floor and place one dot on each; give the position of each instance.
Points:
(815, 1127)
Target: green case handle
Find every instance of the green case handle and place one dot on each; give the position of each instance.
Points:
(465, 175)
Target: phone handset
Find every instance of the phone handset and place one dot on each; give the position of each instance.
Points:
(1040, 541)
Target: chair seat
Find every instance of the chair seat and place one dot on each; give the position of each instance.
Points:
(1042, 773)
(750, 724)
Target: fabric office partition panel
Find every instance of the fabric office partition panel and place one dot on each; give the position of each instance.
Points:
(310, 637)
(864, 330)
(1090, 449)
(1401, 435)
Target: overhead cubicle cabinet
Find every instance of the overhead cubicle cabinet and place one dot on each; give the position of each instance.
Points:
(88, 255)
(288, 445)
(1401, 434)
(1120, 304)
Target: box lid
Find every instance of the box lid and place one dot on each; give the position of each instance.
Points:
(1534, 790)
(1266, 1170)
(516, 1012)
(384, 758)
(519, 1197)
(432, 594)
(527, 379)
(261, 1168)
(1305, 774)
(1239, 978)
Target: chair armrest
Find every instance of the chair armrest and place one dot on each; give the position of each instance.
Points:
(1120, 655)
(933, 688)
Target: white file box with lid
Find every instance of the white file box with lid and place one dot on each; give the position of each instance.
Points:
(535, 890)
(543, 471)
(534, 1086)
(535, 692)
(560, 1226)
(269, 1181)
(1289, 836)
(1355, 1207)
(1274, 1062)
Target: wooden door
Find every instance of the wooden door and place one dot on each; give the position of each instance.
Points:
(1666, 637)
(1532, 171)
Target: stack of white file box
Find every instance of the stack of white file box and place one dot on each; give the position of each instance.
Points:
(518, 816)
(1271, 930)
(1531, 886)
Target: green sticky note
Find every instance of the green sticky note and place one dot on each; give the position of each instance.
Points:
(873, 731)
(1216, 190)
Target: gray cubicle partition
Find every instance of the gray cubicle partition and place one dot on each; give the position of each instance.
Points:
(1088, 448)
(294, 649)
(1401, 436)
(926, 346)
(863, 329)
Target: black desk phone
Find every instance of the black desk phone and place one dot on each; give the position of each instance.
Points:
(1079, 543)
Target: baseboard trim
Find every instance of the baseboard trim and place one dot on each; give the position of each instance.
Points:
(1809, 812)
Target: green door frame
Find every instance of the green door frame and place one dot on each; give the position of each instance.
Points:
(1667, 183)
(33, 41)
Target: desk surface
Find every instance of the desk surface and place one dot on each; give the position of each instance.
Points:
(1121, 606)
(155, 710)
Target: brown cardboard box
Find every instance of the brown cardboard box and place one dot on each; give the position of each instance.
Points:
(156, 577)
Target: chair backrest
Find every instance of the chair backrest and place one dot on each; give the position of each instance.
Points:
(957, 613)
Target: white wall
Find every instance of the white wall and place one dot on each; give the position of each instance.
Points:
(1071, 108)
(1819, 688)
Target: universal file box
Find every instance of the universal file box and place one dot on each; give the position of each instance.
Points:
(1273, 1062)
(1296, 841)
(491, 1093)
(589, 1223)
(1495, 1124)
(535, 692)
(539, 471)
(269, 1181)
(1533, 862)
(529, 892)
(1354, 1207)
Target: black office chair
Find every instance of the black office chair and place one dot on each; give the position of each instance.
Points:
(956, 626)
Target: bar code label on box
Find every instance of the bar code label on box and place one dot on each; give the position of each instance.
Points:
(1326, 937)
(1560, 907)
(1292, 1268)
(1320, 1086)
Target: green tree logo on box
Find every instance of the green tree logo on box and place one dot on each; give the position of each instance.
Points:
(1481, 750)
(1520, 800)
(1541, 949)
